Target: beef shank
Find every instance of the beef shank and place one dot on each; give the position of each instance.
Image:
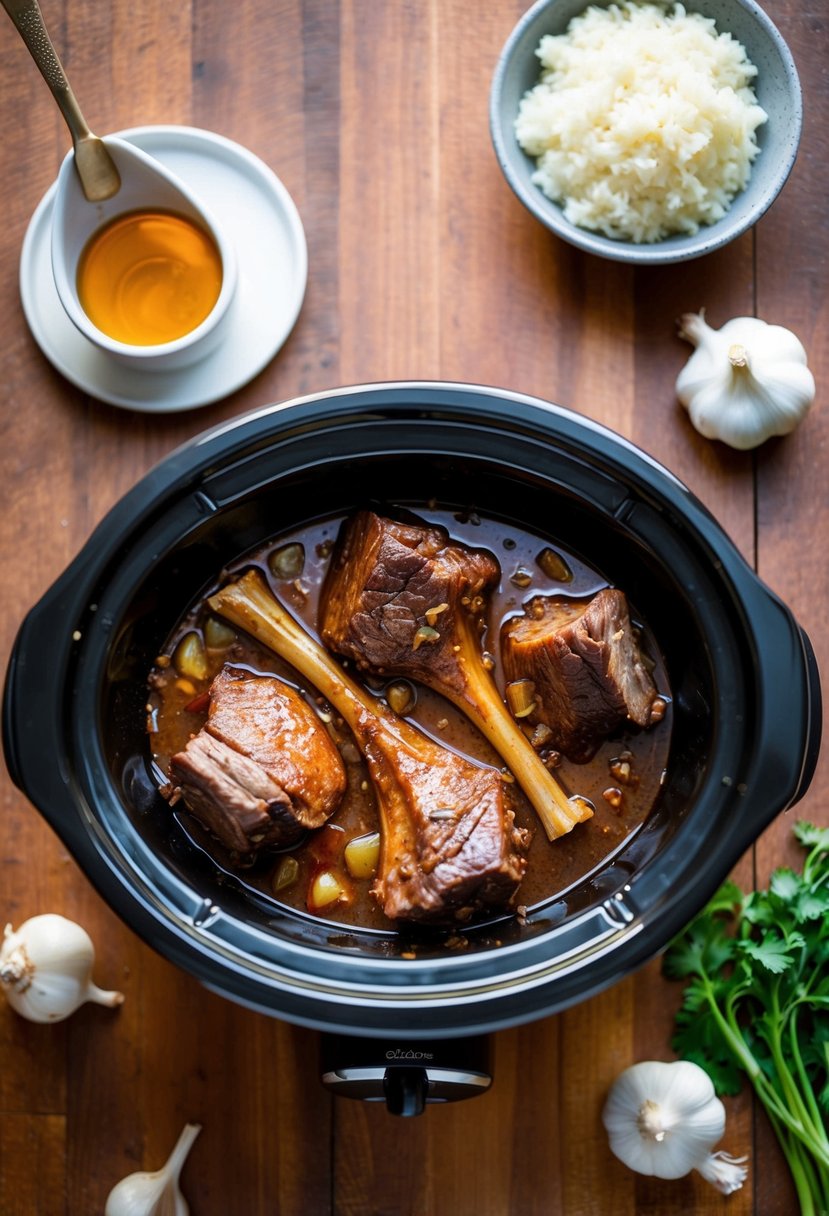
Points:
(587, 672)
(263, 769)
(398, 595)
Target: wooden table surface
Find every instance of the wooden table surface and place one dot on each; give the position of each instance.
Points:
(422, 265)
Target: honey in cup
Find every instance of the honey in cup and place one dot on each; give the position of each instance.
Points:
(149, 277)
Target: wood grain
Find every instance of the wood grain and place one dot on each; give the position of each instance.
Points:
(422, 265)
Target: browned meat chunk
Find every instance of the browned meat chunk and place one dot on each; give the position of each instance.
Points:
(586, 668)
(393, 596)
(450, 846)
(404, 599)
(263, 769)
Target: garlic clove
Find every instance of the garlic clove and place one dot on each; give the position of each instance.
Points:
(649, 1119)
(156, 1192)
(662, 1120)
(745, 382)
(45, 969)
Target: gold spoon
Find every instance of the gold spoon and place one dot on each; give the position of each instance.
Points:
(99, 177)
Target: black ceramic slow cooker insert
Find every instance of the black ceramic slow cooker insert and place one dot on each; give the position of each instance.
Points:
(746, 702)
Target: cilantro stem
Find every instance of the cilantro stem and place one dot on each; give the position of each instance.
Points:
(762, 1086)
(799, 1144)
(819, 1130)
(799, 1127)
(790, 1090)
(801, 1172)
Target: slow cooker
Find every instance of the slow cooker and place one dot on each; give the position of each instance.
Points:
(746, 715)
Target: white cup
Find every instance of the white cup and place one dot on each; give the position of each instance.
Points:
(146, 184)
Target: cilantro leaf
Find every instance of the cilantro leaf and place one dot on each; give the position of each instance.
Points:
(811, 836)
(773, 952)
(698, 953)
(812, 905)
(729, 899)
(785, 884)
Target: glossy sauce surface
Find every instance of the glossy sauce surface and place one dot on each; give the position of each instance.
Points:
(622, 781)
(149, 277)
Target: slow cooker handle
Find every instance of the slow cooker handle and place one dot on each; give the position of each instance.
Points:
(33, 705)
(815, 716)
(788, 729)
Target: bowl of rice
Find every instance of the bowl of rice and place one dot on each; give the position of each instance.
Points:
(646, 132)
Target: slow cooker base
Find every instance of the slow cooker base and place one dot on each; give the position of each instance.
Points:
(406, 1076)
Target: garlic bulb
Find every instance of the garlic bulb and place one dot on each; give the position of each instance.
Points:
(744, 382)
(663, 1119)
(155, 1193)
(45, 969)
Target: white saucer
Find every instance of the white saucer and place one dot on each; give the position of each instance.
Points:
(262, 221)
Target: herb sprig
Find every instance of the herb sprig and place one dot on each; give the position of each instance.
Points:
(757, 1002)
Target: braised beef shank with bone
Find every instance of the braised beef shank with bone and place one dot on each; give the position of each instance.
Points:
(263, 769)
(587, 672)
(449, 845)
(403, 599)
(398, 595)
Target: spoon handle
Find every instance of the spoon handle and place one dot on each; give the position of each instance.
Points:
(96, 169)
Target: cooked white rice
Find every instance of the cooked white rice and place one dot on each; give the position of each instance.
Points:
(643, 123)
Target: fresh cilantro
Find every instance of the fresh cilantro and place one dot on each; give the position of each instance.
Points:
(773, 951)
(756, 1003)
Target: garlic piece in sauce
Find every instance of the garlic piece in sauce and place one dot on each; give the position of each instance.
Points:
(744, 382)
(663, 1120)
(45, 969)
(156, 1192)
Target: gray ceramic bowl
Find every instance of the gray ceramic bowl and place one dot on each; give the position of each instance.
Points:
(778, 92)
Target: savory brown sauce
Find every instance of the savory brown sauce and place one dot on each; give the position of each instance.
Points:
(622, 781)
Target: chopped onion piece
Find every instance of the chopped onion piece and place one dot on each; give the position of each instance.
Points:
(402, 697)
(326, 889)
(286, 874)
(362, 854)
(189, 658)
(287, 562)
(554, 566)
(218, 635)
